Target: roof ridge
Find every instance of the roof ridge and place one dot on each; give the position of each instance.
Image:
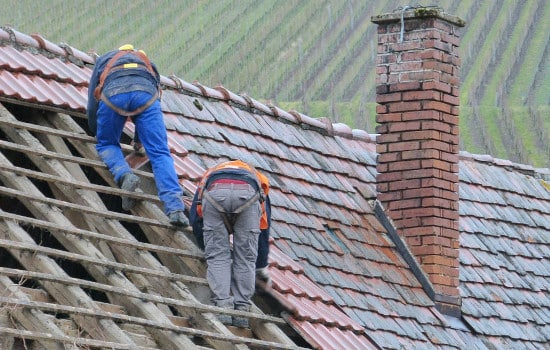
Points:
(322, 125)
(542, 173)
(22, 41)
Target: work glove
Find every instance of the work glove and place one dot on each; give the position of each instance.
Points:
(263, 278)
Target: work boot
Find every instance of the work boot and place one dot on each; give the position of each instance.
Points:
(241, 321)
(178, 218)
(223, 318)
(129, 182)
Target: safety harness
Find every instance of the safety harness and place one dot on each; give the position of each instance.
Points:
(230, 217)
(110, 68)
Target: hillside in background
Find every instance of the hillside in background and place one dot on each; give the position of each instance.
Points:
(319, 57)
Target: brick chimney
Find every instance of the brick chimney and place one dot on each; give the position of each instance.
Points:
(417, 114)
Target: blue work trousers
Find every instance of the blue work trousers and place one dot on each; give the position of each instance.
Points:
(152, 134)
(231, 275)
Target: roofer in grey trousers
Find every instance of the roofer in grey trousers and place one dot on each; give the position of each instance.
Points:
(232, 283)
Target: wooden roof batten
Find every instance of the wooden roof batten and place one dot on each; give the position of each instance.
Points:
(127, 263)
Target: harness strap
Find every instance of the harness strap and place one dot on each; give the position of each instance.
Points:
(109, 67)
(129, 113)
(226, 220)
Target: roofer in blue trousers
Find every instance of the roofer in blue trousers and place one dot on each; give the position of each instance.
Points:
(124, 83)
(232, 198)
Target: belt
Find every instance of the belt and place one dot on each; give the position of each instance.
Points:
(228, 183)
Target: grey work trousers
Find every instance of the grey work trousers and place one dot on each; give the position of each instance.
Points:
(231, 283)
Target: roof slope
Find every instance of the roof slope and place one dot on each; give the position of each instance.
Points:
(336, 268)
(505, 255)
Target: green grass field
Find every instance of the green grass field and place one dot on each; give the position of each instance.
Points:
(319, 56)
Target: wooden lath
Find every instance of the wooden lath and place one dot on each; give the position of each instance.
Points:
(71, 281)
(171, 275)
(263, 330)
(106, 274)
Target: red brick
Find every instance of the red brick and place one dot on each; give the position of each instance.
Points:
(380, 109)
(437, 85)
(422, 95)
(382, 188)
(450, 138)
(437, 260)
(437, 202)
(405, 86)
(388, 157)
(420, 154)
(404, 126)
(437, 182)
(434, 144)
(421, 115)
(381, 147)
(404, 204)
(450, 252)
(436, 163)
(436, 105)
(404, 106)
(385, 98)
(452, 100)
(406, 46)
(390, 176)
(382, 128)
(427, 250)
(389, 196)
(449, 38)
(382, 69)
(404, 165)
(382, 167)
(404, 184)
(403, 146)
(449, 79)
(436, 125)
(450, 157)
(418, 192)
(452, 234)
(420, 76)
(436, 221)
(421, 135)
(438, 240)
(409, 222)
(420, 231)
(424, 213)
(430, 54)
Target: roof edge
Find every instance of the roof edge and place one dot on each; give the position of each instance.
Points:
(539, 173)
(23, 41)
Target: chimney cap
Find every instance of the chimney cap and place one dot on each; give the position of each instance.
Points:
(414, 12)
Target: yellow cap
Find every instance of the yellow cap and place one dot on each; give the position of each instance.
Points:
(127, 47)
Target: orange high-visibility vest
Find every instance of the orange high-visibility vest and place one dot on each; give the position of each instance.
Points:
(261, 179)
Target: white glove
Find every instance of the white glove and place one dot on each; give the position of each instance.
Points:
(262, 275)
